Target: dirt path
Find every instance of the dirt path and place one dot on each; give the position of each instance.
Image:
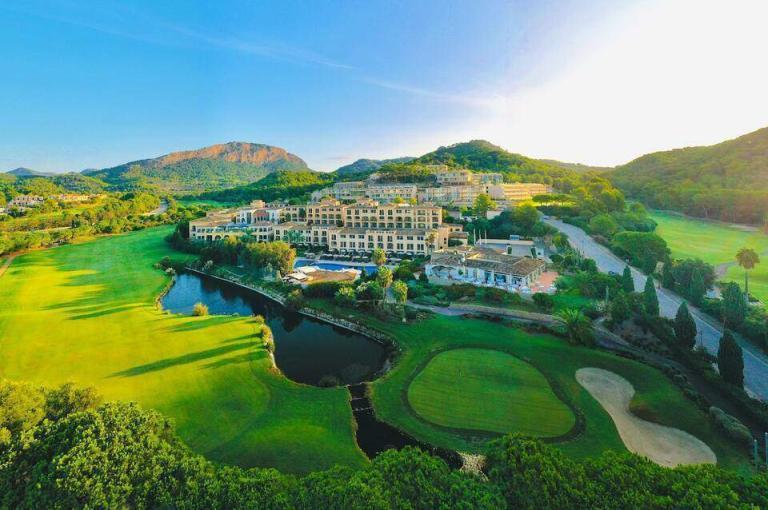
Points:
(665, 446)
(6, 265)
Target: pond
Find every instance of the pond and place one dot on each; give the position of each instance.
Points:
(306, 350)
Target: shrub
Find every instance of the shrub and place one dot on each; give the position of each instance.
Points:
(460, 290)
(345, 296)
(199, 310)
(325, 290)
(732, 427)
(544, 302)
(295, 300)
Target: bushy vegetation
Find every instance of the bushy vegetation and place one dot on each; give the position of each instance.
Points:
(292, 186)
(113, 215)
(73, 452)
(727, 181)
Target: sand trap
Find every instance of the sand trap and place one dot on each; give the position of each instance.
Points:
(665, 446)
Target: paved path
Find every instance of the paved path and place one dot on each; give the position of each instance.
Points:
(755, 361)
(6, 265)
(159, 210)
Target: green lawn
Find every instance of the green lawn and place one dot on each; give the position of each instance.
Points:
(487, 390)
(656, 399)
(712, 242)
(715, 243)
(86, 313)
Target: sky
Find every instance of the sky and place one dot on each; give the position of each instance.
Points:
(96, 84)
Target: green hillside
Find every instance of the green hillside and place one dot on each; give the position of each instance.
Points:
(369, 165)
(210, 168)
(279, 185)
(727, 181)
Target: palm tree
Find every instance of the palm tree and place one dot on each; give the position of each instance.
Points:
(577, 326)
(748, 259)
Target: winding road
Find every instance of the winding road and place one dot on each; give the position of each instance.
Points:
(710, 331)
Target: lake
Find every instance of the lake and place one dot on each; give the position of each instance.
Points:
(306, 350)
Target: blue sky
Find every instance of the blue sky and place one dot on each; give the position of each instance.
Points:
(94, 84)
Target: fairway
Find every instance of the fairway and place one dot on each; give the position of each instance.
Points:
(716, 243)
(86, 313)
(486, 390)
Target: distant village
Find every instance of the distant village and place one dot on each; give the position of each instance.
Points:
(24, 202)
(351, 219)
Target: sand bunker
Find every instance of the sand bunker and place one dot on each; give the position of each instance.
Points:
(665, 446)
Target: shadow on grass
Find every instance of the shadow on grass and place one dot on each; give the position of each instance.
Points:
(255, 355)
(185, 359)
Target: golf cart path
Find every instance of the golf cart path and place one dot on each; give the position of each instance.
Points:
(755, 361)
(6, 265)
(663, 445)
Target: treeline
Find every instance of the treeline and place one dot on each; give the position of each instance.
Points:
(293, 186)
(64, 449)
(727, 181)
(117, 214)
(11, 185)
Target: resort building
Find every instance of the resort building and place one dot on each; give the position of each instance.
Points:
(360, 227)
(485, 267)
(24, 201)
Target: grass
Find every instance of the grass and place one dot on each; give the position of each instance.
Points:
(716, 243)
(488, 390)
(656, 396)
(86, 313)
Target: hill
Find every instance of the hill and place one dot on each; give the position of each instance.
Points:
(27, 172)
(215, 167)
(577, 167)
(280, 185)
(727, 181)
(369, 165)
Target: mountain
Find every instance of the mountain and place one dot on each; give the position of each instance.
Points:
(369, 165)
(26, 172)
(727, 181)
(215, 167)
(481, 155)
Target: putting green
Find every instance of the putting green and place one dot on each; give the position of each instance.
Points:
(86, 313)
(488, 390)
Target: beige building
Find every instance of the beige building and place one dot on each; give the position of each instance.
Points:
(24, 201)
(484, 267)
(397, 228)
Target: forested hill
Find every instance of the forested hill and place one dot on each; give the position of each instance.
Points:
(727, 181)
(369, 165)
(215, 167)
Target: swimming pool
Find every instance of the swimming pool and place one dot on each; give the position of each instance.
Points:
(332, 266)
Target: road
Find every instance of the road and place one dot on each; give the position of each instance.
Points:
(710, 331)
(159, 210)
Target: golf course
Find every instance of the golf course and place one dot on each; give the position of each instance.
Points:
(717, 244)
(86, 313)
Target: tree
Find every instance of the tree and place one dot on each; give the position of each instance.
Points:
(400, 291)
(697, 288)
(734, 307)
(730, 360)
(378, 257)
(685, 327)
(604, 225)
(650, 299)
(384, 277)
(620, 308)
(667, 276)
(577, 326)
(199, 310)
(345, 296)
(748, 259)
(483, 204)
(627, 282)
(561, 242)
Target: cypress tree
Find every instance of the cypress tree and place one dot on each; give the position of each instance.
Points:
(667, 277)
(734, 305)
(627, 283)
(650, 299)
(697, 289)
(685, 327)
(730, 360)
(620, 308)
